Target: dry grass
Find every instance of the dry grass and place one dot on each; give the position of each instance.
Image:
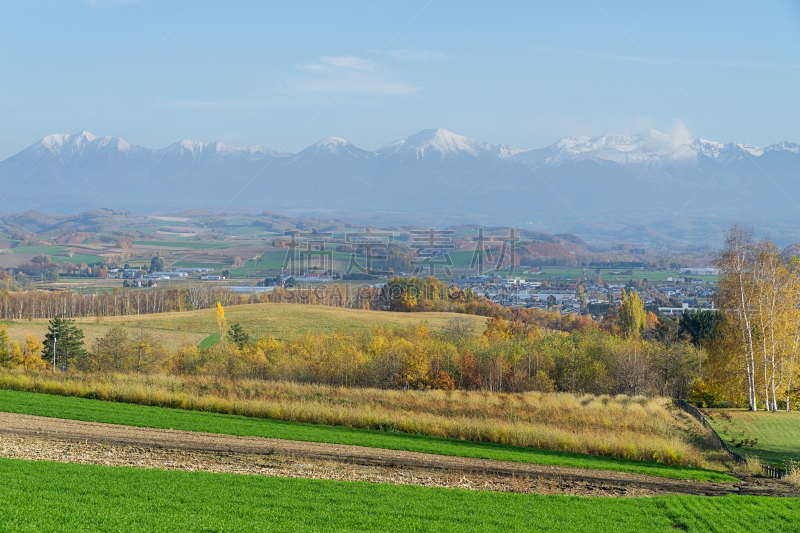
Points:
(19, 330)
(621, 426)
(288, 321)
(753, 465)
(793, 477)
(282, 321)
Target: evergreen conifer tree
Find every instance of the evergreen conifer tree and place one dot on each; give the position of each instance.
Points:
(65, 337)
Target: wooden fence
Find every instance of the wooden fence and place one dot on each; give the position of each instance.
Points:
(769, 471)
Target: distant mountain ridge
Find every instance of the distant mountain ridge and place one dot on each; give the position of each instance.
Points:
(430, 177)
(650, 146)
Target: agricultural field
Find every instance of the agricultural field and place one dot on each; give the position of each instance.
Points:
(777, 435)
(101, 498)
(60, 254)
(40, 249)
(242, 245)
(198, 264)
(189, 245)
(282, 321)
(375, 419)
(118, 412)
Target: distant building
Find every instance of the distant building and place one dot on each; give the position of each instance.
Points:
(313, 278)
(168, 275)
(464, 282)
(249, 290)
(702, 271)
(684, 308)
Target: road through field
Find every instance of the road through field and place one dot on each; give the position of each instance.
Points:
(560, 479)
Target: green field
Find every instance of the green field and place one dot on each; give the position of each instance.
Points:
(77, 259)
(208, 342)
(58, 254)
(51, 496)
(146, 416)
(248, 269)
(189, 264)
(276, 260)
(39, 249)
(778, 434)
(194, 245)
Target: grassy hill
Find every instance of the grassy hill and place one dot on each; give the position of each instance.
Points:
(283, 321)
(777, 434)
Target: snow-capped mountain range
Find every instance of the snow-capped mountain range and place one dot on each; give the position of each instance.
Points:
(649, 147)
(434, 172)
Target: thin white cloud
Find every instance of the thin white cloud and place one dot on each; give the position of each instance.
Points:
(679, 134)
(349, 74)
(349, 62)
(330, 64)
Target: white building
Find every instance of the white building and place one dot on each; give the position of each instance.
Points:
(702, 271)
(168, 275)
(684, 308)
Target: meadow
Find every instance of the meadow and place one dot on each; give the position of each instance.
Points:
(282, 321)
(777, 434)
(464, 425)
(19, 330)
(51, 496)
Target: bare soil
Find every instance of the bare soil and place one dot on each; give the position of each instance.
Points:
(33, 437)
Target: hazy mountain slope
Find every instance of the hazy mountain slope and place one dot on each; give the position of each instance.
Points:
(432, 176)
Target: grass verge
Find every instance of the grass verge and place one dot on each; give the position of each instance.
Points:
(165, 418)
(50, 496)
(776, 435)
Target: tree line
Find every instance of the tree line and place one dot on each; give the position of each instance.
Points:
(399, 294)
(508, 356)
(752, 350)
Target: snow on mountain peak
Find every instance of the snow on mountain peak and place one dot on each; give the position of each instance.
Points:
(650, 146)
(60, 140)
(85, 135)
(192, 146)
(438, 140)
(331, 144)
(783, 146)
(334, 146)
(56, 141)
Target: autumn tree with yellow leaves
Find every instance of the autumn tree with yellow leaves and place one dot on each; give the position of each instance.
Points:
(632, 317)
(759, 298)
(221, 322)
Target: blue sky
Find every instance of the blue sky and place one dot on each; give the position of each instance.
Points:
(285, 74)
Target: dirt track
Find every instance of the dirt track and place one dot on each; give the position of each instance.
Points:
(33, 437)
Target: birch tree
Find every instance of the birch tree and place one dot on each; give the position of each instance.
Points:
(736, 294)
